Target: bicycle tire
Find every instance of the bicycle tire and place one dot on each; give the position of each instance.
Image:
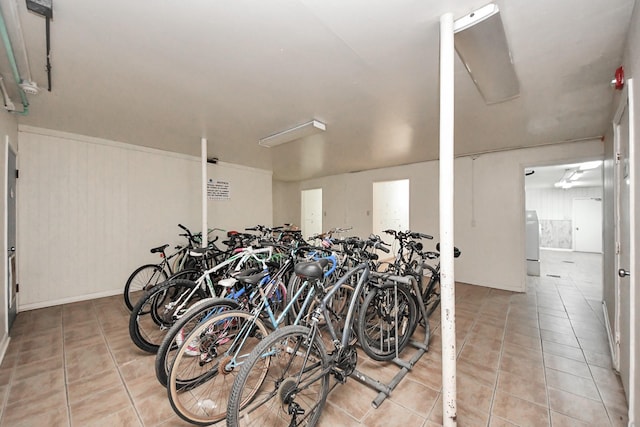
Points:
(432, 297)
(187, 274)
(201, 375)
(376, 321)
(141, 280)
(183, 327)
(153, 314)
(253, 401)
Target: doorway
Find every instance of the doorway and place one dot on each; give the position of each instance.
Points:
(623, 316)
(12, 300)
(390, 206)
(587, 224)
(311, 212)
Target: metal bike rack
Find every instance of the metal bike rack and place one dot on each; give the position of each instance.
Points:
(405, 366)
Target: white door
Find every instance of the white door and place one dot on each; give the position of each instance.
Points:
(390, 207)
(311, 212)
(12, 301)
(587, 225)
(624, 316)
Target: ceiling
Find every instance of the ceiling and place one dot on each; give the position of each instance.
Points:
(166, 73)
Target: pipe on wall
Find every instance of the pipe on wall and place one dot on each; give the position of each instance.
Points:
(14, 66)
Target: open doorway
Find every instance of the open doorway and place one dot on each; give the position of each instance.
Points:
(567, 201)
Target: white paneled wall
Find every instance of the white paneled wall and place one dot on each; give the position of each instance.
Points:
(557, 204)
(89, 211)
(555, 213)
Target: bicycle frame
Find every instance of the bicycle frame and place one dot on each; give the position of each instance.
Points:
(205, 282)
(264, 305)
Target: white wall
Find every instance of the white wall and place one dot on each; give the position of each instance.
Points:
(89, 211)
(554, 207)
(489, 204)
(8, 130)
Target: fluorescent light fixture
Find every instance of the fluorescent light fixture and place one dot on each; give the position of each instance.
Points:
(576, 175)
(297, 132)
(590, 165)
(481, 43)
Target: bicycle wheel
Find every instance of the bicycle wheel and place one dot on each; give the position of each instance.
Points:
(187, 274)
(175, 336)
(158, 309)
(285, 381)
(202, 374)
(432, 296)
(141, 280)
(384, 323)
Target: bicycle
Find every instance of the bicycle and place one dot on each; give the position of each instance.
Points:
(161, 306)
(199, 381)
(285, 379)
(146, 276)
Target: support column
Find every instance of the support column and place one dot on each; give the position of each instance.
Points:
(205, 226)
(447, 281)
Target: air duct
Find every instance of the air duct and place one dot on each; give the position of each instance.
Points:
(14, 66)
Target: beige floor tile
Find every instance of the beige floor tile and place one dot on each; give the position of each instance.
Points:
(519, 411)
(578, 407)
(53, 403)
(393, 414)
(334, 416)
(581, 386)
(534, 370)
(563, 350)
(55, 417)
(560, 420)
(414, 396)
(564, 364)
(99, 405)
(87, 386)
(522, 387)
(353, 398)
(84, 361)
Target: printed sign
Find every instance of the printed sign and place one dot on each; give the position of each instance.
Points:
(218, 190)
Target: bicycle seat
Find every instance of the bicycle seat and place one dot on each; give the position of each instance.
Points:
(159, 249)
(252, 279)
(311, 269)
(456, 251)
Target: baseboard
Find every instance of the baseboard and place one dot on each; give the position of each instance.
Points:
(86, 297)
(4, 344)
(611, 338)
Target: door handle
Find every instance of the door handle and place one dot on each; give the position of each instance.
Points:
(12, 249)
(623, 273)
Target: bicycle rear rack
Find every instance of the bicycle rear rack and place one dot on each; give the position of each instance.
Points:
(405, 366)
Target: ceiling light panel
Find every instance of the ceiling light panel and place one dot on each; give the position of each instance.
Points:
(296, 132)
(482, 45)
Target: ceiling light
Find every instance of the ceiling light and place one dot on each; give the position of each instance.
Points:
(590, 165)
(297, 132)
(481, 43)
(575, 175)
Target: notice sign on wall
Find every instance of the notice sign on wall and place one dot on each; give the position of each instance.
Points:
(218, 190)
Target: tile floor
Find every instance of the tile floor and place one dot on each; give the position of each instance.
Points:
(538, 358)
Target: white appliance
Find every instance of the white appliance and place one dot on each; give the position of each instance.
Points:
(532, 243)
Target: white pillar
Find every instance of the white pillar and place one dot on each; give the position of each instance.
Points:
(447, 282)
(205, 226)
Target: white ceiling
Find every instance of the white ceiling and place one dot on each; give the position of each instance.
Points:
(166, 73)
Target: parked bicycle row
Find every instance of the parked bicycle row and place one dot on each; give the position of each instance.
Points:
(243, 335)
